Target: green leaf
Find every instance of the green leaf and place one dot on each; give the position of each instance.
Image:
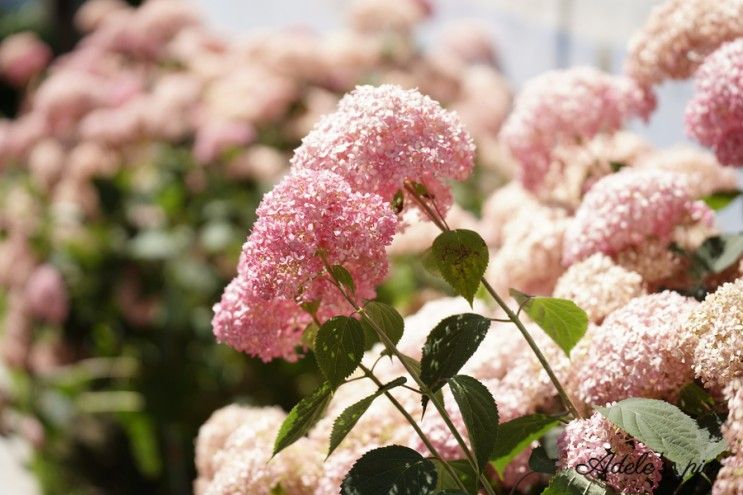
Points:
(392, 469)
(516, 435)
(343, 277)
(345, 422)
(339, 347)
(540, 462)
(718, 253)
(398, 202)
(563, 320)
(448, 347)
(302, 417)
(664, 428)
(461, 257)
(447, 484)
(720, 200)
(480, 415)
(695, 401)
(385, 317)
(570, 482)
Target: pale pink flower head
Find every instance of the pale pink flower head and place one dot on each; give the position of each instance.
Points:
(599, 286)
(469, 40)
(716, 331)
(382, 136)
(91, 15)
(312, 213)
(23, 56)
(265, 329)
(388, 15)
(714, 116)
(733, 427)
(637, 351)
(46, 294)
(628, 208)
(566, 107)
(595, 438)
(678, 35)
(729, 479)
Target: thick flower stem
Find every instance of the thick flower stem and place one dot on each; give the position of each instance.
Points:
(513, 317)
(414, 424)
(392, 349)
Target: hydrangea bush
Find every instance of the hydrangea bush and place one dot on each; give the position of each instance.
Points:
(594, 343)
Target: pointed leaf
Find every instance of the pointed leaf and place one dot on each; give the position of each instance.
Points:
(479, 413)
(339, 347)
(462, 257)
(392, 469)
(302, 417)
(449, 345)
(386, 318)
(570, 482)
(563, 320)
(345, 422)
(516, 435)
(720, 200)
(664, 428)
(343, 277)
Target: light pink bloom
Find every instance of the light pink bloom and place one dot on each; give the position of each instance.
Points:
(567, 107)
(592, 438)
(730, 478)
(636, 352)
(678, 35)
(266, 329)
(311, 212)
(628, 208)
(91, 14)
(46, 294)
(733, 427)
(388, 15)
(381, 136)
(468, 39)
(599, 286)
(714, 116)
(23, 56)
(715, 330)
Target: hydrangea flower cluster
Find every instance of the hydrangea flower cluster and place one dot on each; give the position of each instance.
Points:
(714, 116)
(732, 430)
(678, 35)
(628, 208)
(595, 438)
(599, 286)
(233, 450)
(22, 57)
(715, 330)
(564, 108)
(729, 479)
(382, 136)
(309, 219)
(635, 352)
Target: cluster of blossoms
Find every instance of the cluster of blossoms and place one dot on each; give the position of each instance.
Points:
(567, 108)
(309, 219)
(678, 35)
(714, 117)
(629, 208)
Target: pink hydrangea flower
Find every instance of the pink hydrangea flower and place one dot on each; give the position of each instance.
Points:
(678, 35)
(23, 56)
(595, 438)
(730, 478)
(214, 138)
(733, 427)
(266, 329)
(714, 116)
(565, 107)
(626, 209)
(46, 294)
(309, 212)
(381, 136)
(636, 352)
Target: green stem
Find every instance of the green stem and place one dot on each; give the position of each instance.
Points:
(513, 317)
(390, 346)
(415, 426)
